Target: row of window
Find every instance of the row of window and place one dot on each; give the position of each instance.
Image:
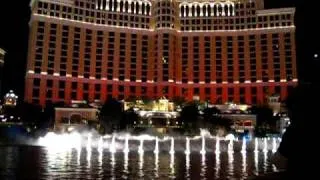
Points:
(232, 94)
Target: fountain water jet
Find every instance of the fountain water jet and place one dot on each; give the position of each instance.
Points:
(230, 146)
(244, 145)
(140, 151)
(217, 146)
(274, 145)
(256, 145)
(156, 147)
(126, 145)
(100, 145)
(187, 151)
(265, 147)
(203, 149)
(112, 147)
(172, 146)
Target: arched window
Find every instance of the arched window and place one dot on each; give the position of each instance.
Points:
(126, 6)
(198, 10)
(110, 5)
(220, 10)
(148, 9)
(204, 10)
(231, 9)
(143, 8)
(215, 10)
(182, 11)
(132, 7)
(115, 5)
(209, 10)
(137, 7)
(121, 6)
(193, 11)
(226, 9)
(187, 11)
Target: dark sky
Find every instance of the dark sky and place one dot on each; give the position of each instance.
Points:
(14, 16)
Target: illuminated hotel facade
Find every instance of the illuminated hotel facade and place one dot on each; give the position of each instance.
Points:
(216, 50)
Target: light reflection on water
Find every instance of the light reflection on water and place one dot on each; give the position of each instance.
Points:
(94, 163)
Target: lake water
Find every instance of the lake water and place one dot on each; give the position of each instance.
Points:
(34, 162)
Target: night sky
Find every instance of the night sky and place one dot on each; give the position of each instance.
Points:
(14, 18)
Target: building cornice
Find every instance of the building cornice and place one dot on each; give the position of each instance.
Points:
(103, 27)
(276, 11)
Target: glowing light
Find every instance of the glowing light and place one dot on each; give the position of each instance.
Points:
(60, 142)
(172, 146)
(187, 151)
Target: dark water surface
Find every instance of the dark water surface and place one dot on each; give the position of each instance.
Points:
(29, 162)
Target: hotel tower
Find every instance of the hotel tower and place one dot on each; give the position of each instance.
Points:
(213, 50)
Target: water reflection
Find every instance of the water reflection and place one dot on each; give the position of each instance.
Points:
(187, 166)
(156, 164)
(160, 158)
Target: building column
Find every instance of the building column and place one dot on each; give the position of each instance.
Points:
(270, 65)
(293, 56)
(43, 91)
(178, 67)
(284, 91)
(248, 95)
(202, 68)
(139, 65)
(283, 73)
(104, 66)
(190, 69)
(236, 69)
(29, 88)
(151, 66)
(81, 65)
(93, 56)
(91, 90)
(115, 92)
(224, 70)
(260, 95)
(127, 67)
(56, 71)
(213, 96)
(171, 68)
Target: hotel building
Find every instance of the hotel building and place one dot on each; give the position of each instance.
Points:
(215, 50)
